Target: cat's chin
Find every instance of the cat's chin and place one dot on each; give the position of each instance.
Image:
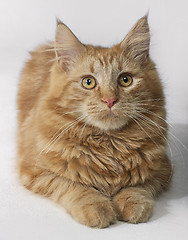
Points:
(108, 126)
(109, 122)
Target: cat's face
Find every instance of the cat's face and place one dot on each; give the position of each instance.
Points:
(106, 87)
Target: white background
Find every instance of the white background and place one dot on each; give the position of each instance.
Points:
(25, 24)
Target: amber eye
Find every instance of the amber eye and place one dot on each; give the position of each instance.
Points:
(88, 82)
(125, 80)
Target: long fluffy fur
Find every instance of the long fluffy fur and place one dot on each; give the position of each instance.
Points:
(99, 166)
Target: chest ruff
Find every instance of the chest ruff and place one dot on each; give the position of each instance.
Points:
(107, 165)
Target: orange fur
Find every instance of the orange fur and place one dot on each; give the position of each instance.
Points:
(101, 164)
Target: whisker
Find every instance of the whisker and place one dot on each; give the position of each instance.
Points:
(84, 126)
(55, 59)
(48, 50)
(139, 109)
(143, 110)
(58, 130)
(137, 121)
(70, 126)
(151, 121)
(173, 137)
(179, 141)
(146, 121)
(53, 138)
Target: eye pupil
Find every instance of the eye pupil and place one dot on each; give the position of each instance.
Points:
(88, 81)
(125, 79)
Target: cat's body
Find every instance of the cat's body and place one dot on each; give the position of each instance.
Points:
(92, 130)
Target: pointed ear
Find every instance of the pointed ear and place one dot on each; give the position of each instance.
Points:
(136, 43)
(67, 46)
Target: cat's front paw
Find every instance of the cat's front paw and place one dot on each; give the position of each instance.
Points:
(98, 214)
(134, 205)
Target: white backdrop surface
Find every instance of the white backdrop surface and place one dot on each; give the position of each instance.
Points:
(23, 25)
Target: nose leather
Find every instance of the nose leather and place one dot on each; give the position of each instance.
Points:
(110, 101)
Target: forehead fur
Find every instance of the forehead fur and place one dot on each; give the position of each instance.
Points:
(104, 63)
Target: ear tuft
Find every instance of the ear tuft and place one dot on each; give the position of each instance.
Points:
(58, 21)
(67, 46)
(136, 43)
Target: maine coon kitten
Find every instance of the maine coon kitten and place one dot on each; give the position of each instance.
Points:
(92, 132)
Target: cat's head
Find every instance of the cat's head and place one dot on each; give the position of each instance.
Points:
(104, 87)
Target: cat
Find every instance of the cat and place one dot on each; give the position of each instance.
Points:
(92, 134)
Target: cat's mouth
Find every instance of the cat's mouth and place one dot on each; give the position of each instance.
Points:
(108, 119)
(109, 114)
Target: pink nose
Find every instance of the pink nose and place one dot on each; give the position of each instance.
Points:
(110, 102)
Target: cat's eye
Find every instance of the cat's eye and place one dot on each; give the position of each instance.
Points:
(125, 80)
(88, 82)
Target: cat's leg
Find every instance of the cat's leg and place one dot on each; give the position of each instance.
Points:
(134, 204)
(87, 205)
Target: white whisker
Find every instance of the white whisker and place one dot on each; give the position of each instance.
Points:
(83, 127)
(56, 135)
(179, 141)
(71, 125)
(137, 121)
(170, 125)
(149, 123)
